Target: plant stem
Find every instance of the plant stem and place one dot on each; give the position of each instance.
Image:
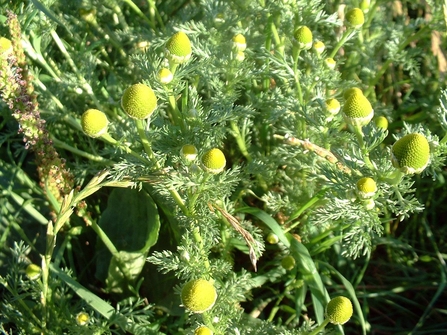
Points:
(62, 145)
(146, 144)
(340, 43)
(319, 328)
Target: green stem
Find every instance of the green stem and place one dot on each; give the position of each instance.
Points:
(199, 242)
(240, 140)
(296, 56)
(85, 85)
(62, 145)
(312, 201)
(104, 238)
(340, 43)
(359, 135)
(146, 144)
(109, 139)
(139, 13)
(319, 328)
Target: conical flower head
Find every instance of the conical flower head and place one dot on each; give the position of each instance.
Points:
(411, 153)
(332, 106)
(139, 101)
(303, 38)
(214, 161)
(318, 47)
(188, 152)
(33, 271)
(239, 42)
(357, 110)
(165, 76)
(94, 123)
(355, 18)
(178, 48)
(203, 330)
(347, 93)
(198, 295)
(381, 122)
(339, 310)
(366, 188)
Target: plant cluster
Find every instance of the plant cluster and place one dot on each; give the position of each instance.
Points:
(208, 167)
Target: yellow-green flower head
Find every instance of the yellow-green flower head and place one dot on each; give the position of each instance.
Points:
(347, 93)
(357, 110)
(165, 76)
(33, 271)
(240, 56)
(178, 48)
(319, 47)
(203, 330)
(5, 47)
(366, 188)
(214, 161)
(239, 43)
(82, 318)
(94, 123)
(272, 238)
(198, 295)
(364, 5)
(332, 106)
(355, 18)
(139, 101)
(330, 63)
(339, 310)
(188, 152)
(381, 122)
(303, 38)
(288, 262)
(411, 153)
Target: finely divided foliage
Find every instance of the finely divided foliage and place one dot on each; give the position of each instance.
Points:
(172, 138)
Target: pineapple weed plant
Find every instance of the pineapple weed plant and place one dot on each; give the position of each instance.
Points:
(222, 167)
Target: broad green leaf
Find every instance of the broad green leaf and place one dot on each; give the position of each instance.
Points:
(132, 223)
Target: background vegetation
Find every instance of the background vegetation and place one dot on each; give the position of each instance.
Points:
(136, 228)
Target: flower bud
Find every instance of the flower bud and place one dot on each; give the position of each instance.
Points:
(165, 76)
(272, 238)
(82, 318)
(330, 63)
(203, 330)
(94, 123)
(364, 5)
(288, 262)
(357, 110)
(355, 18)
(411, 153)
(214, 161)
(332, 106)
(33, 271)
(366, 188)
(239, 43)
(178, 48)
(319, 47)
(339, 310)
(139, 101)
(381, 122)
(188, 152)
(198, 295)
(303, 38)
